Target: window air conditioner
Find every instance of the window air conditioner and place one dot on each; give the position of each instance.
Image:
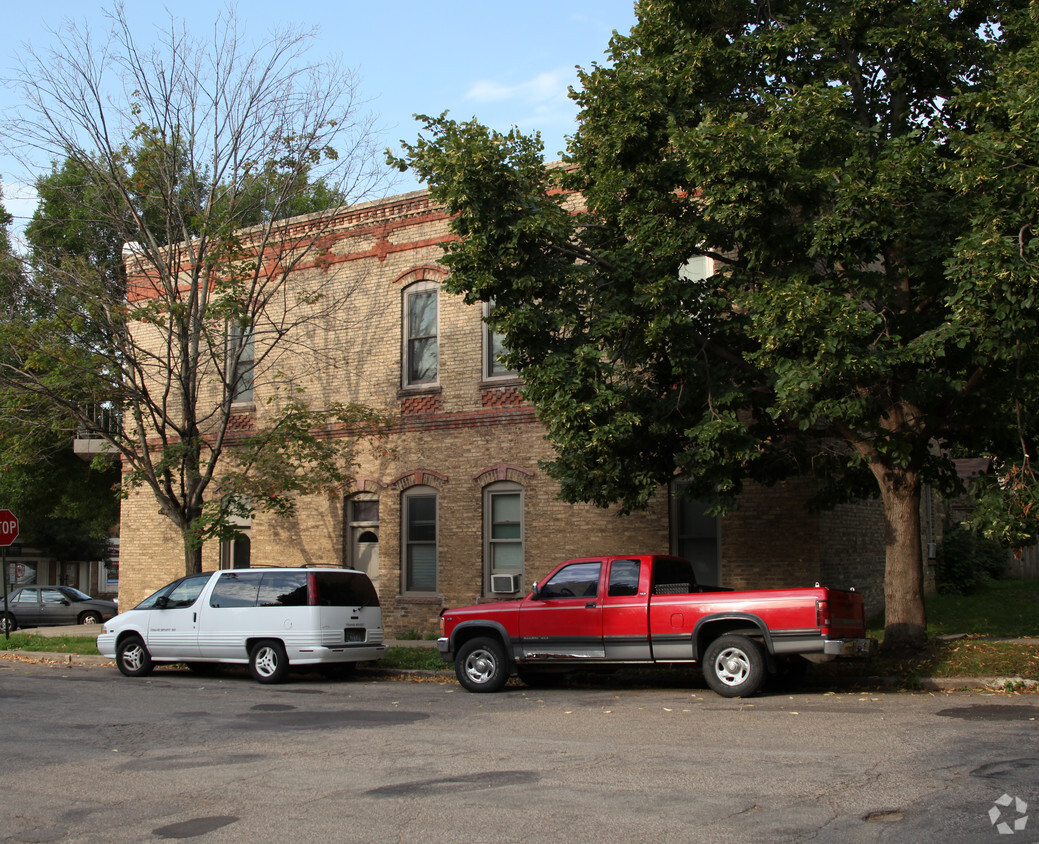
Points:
(504, 583)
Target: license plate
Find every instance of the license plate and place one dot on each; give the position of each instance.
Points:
(353, 634)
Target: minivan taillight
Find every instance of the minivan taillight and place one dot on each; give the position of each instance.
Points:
(311, 589)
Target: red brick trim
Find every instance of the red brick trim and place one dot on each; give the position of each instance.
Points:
(502, 472)
(430, 272)
(421, 403)
(503, 395)
(365, 485)
(419, 477)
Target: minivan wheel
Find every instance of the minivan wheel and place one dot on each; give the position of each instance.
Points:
(268, 661)
(133, 658)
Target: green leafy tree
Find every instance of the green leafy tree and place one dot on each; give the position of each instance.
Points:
(805, 150)
(164, 275)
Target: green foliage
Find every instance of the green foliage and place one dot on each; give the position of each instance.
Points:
(812, 152)
(967, 562)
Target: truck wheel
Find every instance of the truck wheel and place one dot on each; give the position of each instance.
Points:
(480, 665)
(734, 666)
(268, 661)
(132, 657)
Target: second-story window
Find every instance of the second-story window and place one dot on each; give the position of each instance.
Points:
(241, 359)
(421, 352)
(493, 347)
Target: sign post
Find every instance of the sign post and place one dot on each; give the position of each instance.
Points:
(8, 534)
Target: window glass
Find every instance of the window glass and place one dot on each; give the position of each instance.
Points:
(420, 543)
(241, 362)
(283, 589)
(624, 578)
(236, 590)
(26, 596)
(185, 592)
(579, 580)
(672, 577)
(344, 589)
(422, 353)
(52, 596)
(494, 347)
(506, 531)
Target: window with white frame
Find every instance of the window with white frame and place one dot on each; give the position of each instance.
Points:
(241, 360)
(503, 536)
(421, 350)
(419, 539)
(493, 347)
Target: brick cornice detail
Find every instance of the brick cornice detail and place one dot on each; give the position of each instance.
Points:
(502, 472)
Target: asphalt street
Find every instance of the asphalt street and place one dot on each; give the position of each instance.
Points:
(92, 756)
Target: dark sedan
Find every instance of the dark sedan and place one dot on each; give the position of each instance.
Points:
(43, 606)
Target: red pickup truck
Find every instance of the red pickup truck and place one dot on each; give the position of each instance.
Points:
(648, 609)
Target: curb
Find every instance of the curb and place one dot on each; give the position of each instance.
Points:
(926, 684)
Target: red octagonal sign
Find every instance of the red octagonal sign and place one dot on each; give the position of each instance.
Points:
(8, 528)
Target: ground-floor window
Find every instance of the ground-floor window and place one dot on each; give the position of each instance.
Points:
(419, 539)
(694, 536)
(503, 537)
(236, 553)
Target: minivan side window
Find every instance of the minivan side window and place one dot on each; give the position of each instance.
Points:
(260, 589)
(283, 589)
(344, 589)
(235, 590)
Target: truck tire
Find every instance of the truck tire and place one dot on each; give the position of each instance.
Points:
(480, 665)
(734, 666)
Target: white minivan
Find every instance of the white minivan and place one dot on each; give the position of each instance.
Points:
(270, 618)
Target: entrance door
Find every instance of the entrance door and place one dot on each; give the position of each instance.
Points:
(565, 620)
(173, 620)
(366, 552)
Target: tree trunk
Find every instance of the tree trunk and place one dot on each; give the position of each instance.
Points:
(905, 627)
(192, 558)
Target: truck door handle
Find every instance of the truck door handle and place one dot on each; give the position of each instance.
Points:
(590, 606)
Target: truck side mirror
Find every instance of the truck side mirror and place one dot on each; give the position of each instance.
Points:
(534, 591)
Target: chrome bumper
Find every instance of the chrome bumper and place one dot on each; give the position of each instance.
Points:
(860, 648)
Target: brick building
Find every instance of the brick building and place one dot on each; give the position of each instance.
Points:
(457, 510)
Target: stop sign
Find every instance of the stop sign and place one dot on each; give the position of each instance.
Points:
(8, 528)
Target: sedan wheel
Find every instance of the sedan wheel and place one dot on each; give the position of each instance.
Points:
(91, 617)
(7, 623)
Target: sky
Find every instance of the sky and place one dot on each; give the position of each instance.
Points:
(504, 63)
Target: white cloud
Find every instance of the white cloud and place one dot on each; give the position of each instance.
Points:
(547, 86)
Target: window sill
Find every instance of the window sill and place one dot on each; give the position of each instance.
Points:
(420, 599)
(419, 390)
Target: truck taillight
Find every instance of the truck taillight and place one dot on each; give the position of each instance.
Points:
(822, 613)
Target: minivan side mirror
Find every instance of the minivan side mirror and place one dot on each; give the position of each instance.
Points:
(162, 603)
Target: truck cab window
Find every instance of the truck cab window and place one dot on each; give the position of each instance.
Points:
(581, 580)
